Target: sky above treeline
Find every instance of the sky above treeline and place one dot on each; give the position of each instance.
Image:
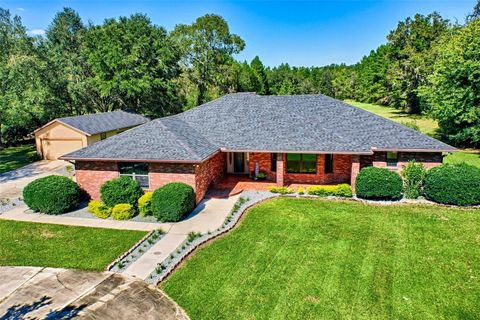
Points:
(301, 33)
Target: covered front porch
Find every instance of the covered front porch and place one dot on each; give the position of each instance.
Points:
(260, 170)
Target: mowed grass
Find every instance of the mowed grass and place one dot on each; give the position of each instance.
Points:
(15, 157)
(426, 125)
(48, 245)
(318, 259)
(469, 157)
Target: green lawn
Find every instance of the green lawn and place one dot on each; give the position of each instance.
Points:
(472, 158)
(48, 245)
(15, 157)
(427, 126)
(317, 259)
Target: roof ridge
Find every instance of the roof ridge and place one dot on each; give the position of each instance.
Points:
(180, 141)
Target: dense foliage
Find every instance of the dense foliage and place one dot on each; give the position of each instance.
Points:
(453, 184)
(144, 204)
(173, 201)
(339, 190)
(98, 209)
(378, 184)
(120, 190)
(427, 65)
(413, 176)
(123, 211)
(52, 195)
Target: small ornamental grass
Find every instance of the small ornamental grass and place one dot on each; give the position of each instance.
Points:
(453, 184)
(99, 210)
(121, 190)
(413, 177)
(52, 195)
(123, 211)
(339, 190)
(378, 184)
(172, 202)
(144, 204)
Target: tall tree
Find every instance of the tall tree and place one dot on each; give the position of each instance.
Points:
(411, 58)
(22, 89)
(133, 65)
(261, 80)
(453, 91)
(68, 69)
(207, 47)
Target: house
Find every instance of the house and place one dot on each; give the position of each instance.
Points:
(64, 135)
(304, 139)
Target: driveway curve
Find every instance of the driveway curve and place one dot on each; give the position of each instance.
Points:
(50, 293)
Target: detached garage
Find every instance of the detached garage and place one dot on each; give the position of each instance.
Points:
(65, 135)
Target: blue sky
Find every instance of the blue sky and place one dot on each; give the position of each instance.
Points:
(298, 32)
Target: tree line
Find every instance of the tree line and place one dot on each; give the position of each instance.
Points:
(428, 65)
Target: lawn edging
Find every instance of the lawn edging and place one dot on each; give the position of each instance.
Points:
(247, 200)
(121, 263)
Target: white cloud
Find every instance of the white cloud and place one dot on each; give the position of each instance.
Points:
(37, 32)
(20, 9)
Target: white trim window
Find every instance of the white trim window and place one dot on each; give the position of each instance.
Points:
(138, 171)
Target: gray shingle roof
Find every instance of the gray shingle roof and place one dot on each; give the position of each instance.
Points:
(102, 122)
(249, 122)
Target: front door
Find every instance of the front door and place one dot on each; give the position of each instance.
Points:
(238, 162)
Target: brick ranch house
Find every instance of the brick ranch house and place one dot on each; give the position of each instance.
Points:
(302, 139)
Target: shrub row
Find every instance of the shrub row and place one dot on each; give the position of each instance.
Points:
(339, 190)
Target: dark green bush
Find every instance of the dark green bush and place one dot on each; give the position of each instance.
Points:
(52, 195)
(120, 190)
(413, 176)
(172, 202)
(453, 184)
(378, 184)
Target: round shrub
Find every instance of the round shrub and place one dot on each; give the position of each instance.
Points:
(52, 195)
(144, 204)
(120, 190)
(453, 184)
(123, 211)
(173, 201)
(99, 210)
(378, 184)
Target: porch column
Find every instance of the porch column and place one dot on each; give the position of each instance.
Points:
(280, 169)
(355, 170)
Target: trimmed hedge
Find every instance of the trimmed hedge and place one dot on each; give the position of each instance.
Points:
(145, 204)
(281, 190)
(123, 211)
(339, 190)
(378, 184)
(99, 210)
(172, 202)
(453, 184)
(52, 195)
(120, 190)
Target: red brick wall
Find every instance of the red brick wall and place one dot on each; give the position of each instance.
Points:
(379, 159)
(208, 173)
(163, 173)
(264, 163)
(91, 175)
(341, 172)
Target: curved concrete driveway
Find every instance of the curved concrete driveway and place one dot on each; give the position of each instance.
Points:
(13, 182)
(48, 293)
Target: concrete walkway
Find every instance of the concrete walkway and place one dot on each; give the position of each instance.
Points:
(208, 216)
(18, 214)
(13, 182)
(49, 293)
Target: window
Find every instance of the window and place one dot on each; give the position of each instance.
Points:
(301, 163)
(273, 162)
(103, 136)
(137, 171)
(328, 163)
(392, 159)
